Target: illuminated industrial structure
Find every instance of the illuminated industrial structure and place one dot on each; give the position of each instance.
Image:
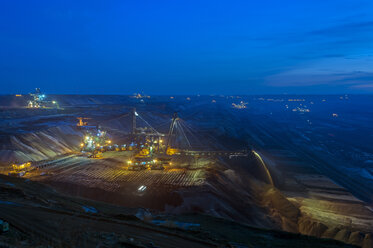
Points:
(150, 148)
(139, 96)
(20, 169)
(39, 101)
(82, 123)
(241, 105)
(95, 140)
(301, 109)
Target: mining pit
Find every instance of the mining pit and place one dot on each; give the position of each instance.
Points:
(252, 185)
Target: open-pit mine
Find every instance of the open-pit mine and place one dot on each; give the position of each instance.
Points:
(175, 171)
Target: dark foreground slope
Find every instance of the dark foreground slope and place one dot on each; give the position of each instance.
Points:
(39, 216)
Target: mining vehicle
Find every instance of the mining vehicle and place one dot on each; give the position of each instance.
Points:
(20, 170)
(144, 152)
(139, 163)
(172, 151)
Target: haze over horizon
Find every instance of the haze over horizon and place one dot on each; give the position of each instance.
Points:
(187, 47)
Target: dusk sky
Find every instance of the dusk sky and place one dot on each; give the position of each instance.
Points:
(187, 47)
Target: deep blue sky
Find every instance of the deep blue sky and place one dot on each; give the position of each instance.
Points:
(185, 47)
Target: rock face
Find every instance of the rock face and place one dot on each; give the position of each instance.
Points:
(310, 227)
(284, 212)
(291, 218)
(330, 233)
(325, 209)
(356, 238)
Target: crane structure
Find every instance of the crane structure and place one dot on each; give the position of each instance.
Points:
(81, 122)
(171, 129)
(151, 148)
